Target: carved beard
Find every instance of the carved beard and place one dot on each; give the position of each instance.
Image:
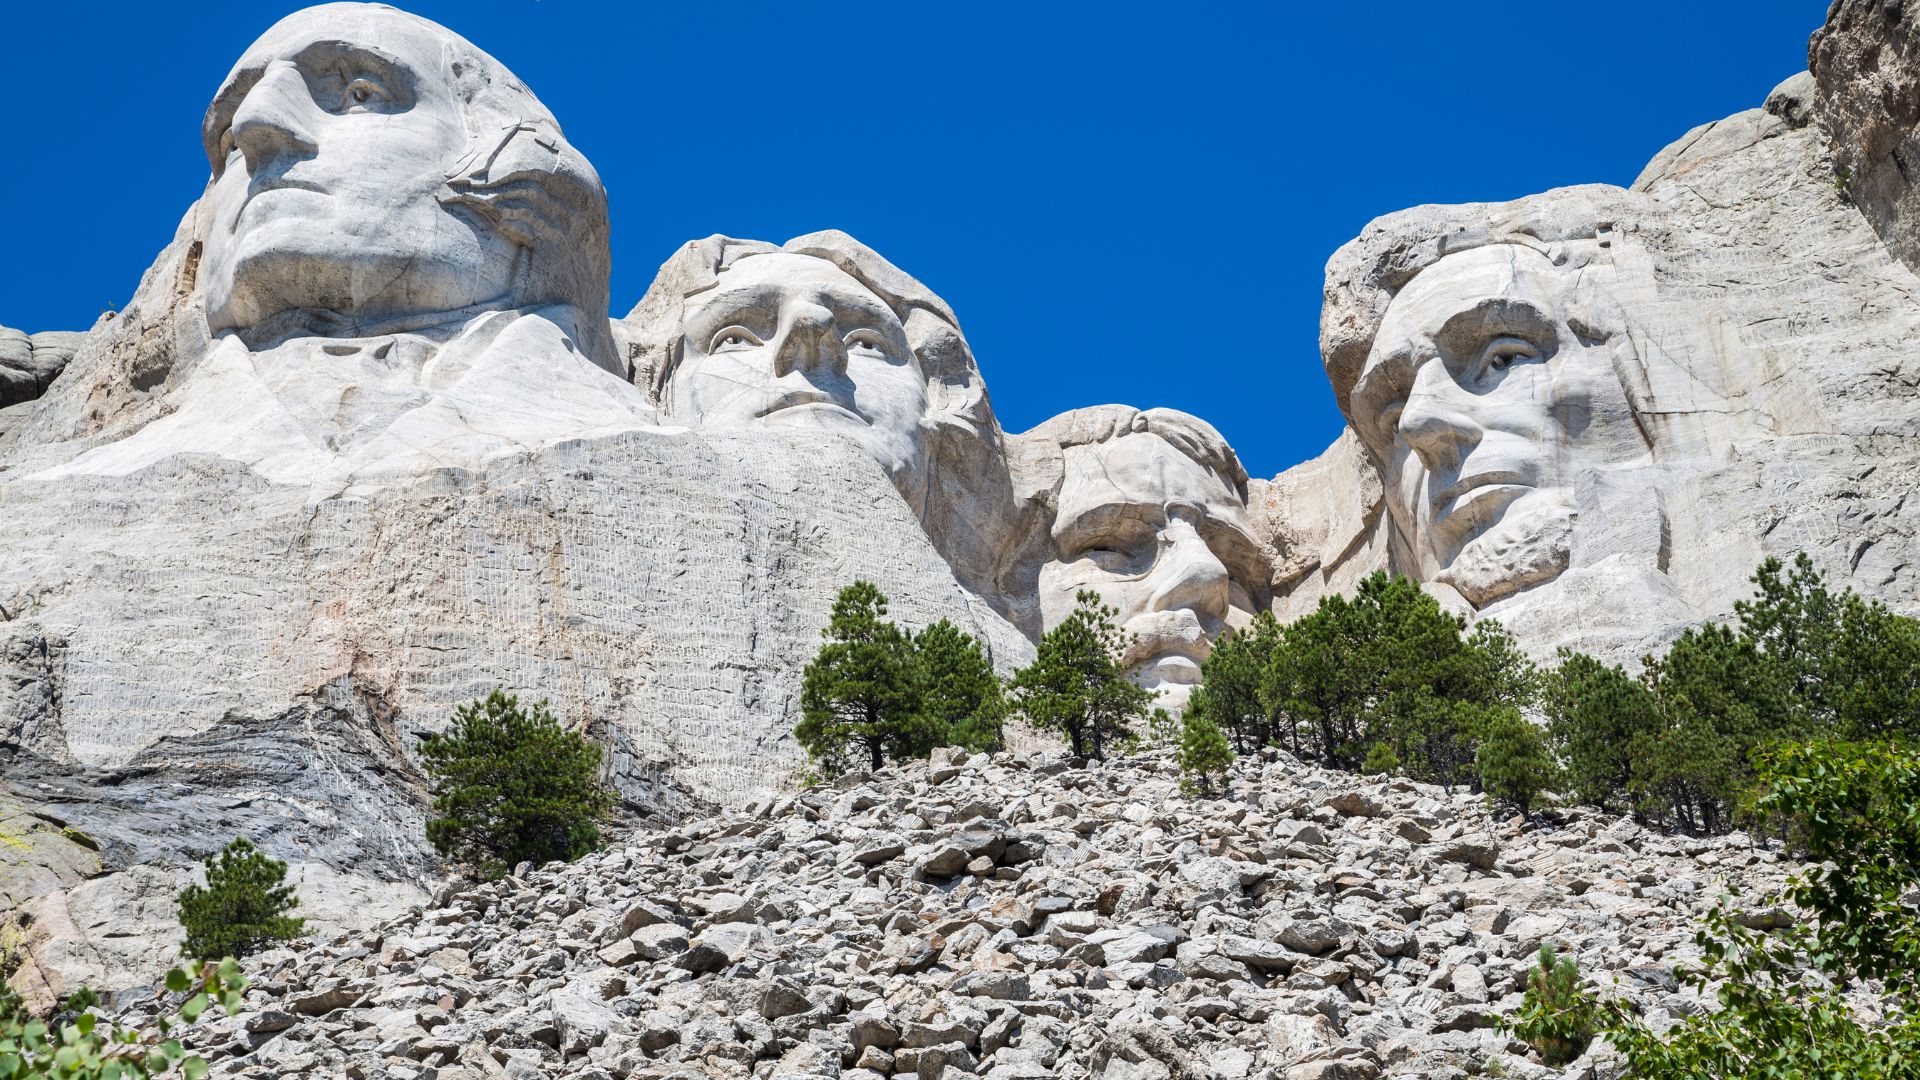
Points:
(1529, 544)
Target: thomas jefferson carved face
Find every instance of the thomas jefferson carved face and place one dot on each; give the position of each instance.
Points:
(1491, 393)
(332, 142)
(1164, 539)
(793, 341)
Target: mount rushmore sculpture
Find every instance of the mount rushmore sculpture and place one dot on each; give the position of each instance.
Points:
(366, 443)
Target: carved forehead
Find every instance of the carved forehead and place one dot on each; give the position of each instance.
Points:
(386, 31)
(1139, 469)
(1457, 283)
(776, 276)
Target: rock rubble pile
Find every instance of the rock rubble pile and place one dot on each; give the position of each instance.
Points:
(1011, 917)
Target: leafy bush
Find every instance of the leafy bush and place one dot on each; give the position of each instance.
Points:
(511, 785)
(243, 906)
(1559, 1014)
(1388, 677)
(88, 1048)
(1856, 811)
(1076, 687)
(1205, 755)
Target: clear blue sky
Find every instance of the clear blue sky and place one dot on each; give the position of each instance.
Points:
(1122, 203)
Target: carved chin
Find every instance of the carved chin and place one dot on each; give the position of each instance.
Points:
(1528, 545)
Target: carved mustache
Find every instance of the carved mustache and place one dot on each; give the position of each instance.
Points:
(1166, 633)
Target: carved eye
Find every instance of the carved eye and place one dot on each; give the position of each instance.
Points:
(1503, 352)
(733, 339)
(866, 339)
(363, 90)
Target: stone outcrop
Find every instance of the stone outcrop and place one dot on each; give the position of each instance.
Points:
(1013, 917)
(30, 362)
(366, 444)
(1663, 385)
(270, 526)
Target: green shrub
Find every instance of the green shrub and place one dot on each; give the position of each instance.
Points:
(1075, 688)
(1855, 809)
(511, 785)
(1205, 756)
(860, 696)
(1513, 762)
(1559, 1014)
(242, 908)
(90, 1048)
(961, 700)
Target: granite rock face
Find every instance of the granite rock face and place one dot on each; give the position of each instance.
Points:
(1590, 413)
(360, 449)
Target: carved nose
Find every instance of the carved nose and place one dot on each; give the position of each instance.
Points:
(1437, 428)
(1188, 575)
(807, 343)
(273, 124)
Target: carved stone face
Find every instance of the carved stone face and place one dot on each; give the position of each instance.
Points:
(1508, 396)
(792, 341)
(1161, 538)
(332, 141)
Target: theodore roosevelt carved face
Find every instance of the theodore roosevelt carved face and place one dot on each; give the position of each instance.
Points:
(371, 166)
(1489, 388)
(1150, 513)
(793, 341)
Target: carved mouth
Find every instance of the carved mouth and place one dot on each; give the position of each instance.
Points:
(1454, 497)
(278, 183)
(799, 399)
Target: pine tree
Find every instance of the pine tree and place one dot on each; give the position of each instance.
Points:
(511, 785)
(1204, 755)
(1229, 690)
(961, 699)
(1075, 686)
(241, 909)
(1597, 717)
(1513, 761)
(860, 700)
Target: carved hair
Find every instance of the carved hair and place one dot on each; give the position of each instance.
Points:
(1572, 228)
(1200, 441)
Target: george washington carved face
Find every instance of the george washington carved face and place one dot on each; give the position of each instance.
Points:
(369, 166)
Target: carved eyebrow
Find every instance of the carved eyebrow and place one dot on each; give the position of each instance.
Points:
(314, 58)
(1083, 529)
(1466, 331)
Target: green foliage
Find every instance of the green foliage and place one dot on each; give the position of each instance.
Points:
(511, 785)
(1559, 1014)
(962, 700)
(88, 1047)
(1205, 755)
(1599, 720)
(1230, 678)
(1855, 808)
(1513, 761)
(1675, 746)
(1075, 686)
(243, 906)
(875, 692)
(1388, 679)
